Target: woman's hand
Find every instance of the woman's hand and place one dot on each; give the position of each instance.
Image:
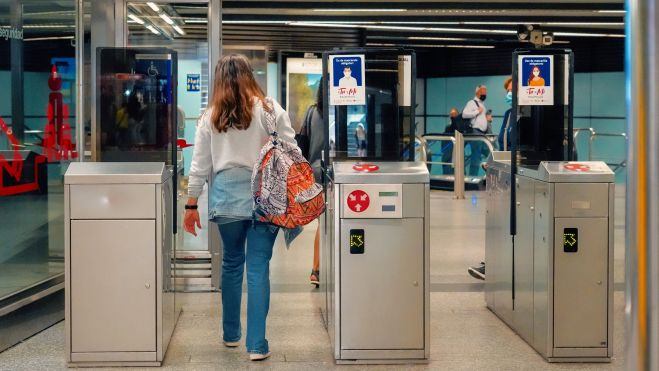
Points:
(191, 219)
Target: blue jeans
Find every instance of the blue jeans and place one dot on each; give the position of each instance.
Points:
(260, 238)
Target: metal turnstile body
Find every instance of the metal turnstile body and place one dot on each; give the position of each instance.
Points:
(120, 306)
(554, 287)
(375, 261)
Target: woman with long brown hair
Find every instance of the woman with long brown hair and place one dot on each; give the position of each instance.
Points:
(228, 141)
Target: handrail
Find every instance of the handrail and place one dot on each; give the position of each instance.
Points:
(423, 147)
(489, 139)
(459, 168)
(481, 138)
(592, 135)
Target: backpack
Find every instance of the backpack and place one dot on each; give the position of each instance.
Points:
(463, 124)
(284, 189)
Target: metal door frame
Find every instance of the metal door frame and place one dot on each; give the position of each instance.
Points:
(120, 28)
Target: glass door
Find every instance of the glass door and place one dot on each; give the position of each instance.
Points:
(183, 26)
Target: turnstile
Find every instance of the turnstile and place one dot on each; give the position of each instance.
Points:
(553, 284)
(375, 262)
(121, 308)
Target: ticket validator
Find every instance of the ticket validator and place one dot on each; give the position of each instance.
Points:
(374, 262)
(549, 222)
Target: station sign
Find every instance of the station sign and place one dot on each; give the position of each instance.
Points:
(193, 82)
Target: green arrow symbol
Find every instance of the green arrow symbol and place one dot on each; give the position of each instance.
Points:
(569, 239)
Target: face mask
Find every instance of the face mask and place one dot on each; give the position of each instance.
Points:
(536, 73)
(482, 97)
(509, 98)
(346, 73)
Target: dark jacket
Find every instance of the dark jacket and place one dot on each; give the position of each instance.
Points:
(506, 116)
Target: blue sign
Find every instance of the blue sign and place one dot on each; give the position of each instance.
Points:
(536, 71)
(535, 86)
(194, 82)
(347, 71)
(347, 75)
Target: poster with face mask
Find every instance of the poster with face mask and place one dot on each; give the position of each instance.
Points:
(535, 74)
(347, 86)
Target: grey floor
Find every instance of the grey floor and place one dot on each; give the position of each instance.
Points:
(465, 335)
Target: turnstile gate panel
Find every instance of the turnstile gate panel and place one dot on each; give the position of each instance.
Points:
(383, 306)
(580, 282)
(559, 261)
(376, 251)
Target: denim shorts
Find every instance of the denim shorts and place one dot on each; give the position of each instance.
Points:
(230, 198)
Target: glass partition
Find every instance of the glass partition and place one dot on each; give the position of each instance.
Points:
(381, 128)
(37, 138)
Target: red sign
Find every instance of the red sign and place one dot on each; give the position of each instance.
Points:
(577, 167)
(182, 143)
(358, 201)
(13, 168)
(366, 168)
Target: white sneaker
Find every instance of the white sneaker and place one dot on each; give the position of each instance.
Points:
(231, 344)
(258, 356)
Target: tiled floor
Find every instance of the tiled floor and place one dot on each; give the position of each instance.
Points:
(465, 335)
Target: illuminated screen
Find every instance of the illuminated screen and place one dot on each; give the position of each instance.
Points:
(357, 241)
(570, 239)
(302, 81)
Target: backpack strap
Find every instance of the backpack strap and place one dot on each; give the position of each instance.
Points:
(477, 105)
(270, 121)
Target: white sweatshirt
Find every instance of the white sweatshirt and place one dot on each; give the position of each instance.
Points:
(235, 148)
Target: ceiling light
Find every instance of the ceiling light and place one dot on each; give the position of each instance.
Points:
(166, 18)
(434, 46)
(404, 28)
(48, 26)
(150, 28)
(358, 10)
(611, 11)
(437, 38)
(584, 34)
(153, 6)
(199, 20)
(135, 18)
(179, 30)
(251, 22)
(452, 23)
(49, 38)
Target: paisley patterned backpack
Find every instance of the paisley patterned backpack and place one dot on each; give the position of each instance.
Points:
(285, 192)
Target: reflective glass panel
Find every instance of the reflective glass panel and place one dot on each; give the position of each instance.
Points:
(37, 137)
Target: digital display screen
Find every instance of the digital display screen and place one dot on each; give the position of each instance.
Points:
(570, 239)
(357, 241)
(388, 194)
(389, 208)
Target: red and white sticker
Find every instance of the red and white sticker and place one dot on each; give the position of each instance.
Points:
(366, 168)
(577, 167)
(358, 201)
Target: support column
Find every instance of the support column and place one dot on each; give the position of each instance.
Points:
(642, 216)
(16, 52)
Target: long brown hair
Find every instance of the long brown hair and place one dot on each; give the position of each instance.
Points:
(234, 91)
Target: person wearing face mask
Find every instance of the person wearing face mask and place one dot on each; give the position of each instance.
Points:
(478, 271)
(535, 79)
(505, 132)
(347, 81)
(475, 111)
